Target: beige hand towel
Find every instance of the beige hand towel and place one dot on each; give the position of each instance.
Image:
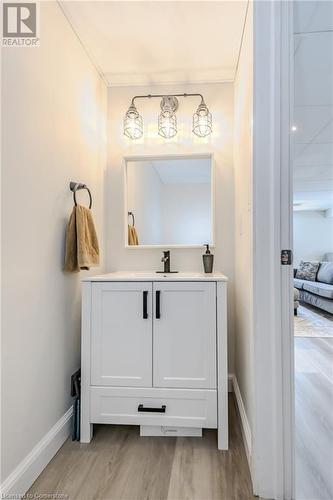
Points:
(82, 251)
(132, 236)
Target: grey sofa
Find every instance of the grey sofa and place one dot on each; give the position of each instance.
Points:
(318, 293)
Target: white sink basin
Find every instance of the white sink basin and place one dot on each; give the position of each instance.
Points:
(154, 276)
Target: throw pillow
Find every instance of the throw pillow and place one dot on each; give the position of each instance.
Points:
(325, 273)
(307, 271)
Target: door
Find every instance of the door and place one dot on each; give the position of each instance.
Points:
(121, 344)
(184, 335)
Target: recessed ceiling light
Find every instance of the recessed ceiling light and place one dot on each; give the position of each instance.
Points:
(294, 128)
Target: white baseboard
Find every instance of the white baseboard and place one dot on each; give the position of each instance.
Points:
(245, 426)
(26, 473)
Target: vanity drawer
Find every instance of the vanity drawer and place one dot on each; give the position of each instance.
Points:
(152, 406)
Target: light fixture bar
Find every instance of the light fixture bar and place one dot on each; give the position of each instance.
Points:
(160, 96)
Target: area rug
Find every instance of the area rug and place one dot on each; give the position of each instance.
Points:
(310, 323)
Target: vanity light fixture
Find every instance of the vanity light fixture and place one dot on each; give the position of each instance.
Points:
(167, 120)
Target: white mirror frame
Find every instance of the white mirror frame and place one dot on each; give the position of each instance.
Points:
(195, 156)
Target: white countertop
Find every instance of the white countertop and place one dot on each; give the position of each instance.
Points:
(153, 276)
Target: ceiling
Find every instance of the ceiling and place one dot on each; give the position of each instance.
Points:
(187, 171)
(157, 42)
(313, 105)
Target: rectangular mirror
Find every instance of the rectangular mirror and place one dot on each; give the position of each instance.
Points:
(169, 201)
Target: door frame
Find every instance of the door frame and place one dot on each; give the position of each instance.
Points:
(286, 228)
(273, 426)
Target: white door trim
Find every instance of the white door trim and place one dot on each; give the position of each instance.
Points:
(286, 210)
(271, 457)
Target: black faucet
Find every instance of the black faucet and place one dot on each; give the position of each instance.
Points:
(166, 261)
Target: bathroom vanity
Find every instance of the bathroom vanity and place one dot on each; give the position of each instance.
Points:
(154, 353)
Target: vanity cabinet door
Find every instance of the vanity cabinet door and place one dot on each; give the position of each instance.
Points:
(184, 339)
(121, 342)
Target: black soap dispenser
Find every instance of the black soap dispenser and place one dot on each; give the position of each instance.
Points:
(208, 260)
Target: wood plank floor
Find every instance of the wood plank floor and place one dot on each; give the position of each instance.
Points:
(120, 465)
(314, 418)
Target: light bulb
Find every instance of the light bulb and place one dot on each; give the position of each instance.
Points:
(167, 121)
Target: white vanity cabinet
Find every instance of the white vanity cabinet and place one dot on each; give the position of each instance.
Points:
(154, 352)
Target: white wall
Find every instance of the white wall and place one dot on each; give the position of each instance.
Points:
(219, 98)
(313, 235)
(243, 221)
(143, 199)
(186, 213)
(54, 106)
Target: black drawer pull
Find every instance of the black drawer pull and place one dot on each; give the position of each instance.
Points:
(158, 304)
(152, 410)
(145, 304)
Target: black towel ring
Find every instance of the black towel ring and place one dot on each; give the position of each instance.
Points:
(75, 186)
(132, 215)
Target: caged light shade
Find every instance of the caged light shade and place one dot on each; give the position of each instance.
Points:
(167, 121)
(133, 123)
(202, 121)
(167, 125)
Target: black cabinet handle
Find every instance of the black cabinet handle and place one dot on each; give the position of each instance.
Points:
(145, 304)
(158, 304)
(152, 410)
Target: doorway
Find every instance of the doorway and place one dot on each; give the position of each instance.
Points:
(312, 169)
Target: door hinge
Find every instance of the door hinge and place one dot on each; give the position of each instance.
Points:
(286, 257)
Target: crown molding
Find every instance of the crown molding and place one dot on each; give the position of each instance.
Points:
(171, 82)
(84, 46)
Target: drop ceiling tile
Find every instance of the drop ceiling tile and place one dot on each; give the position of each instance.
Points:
(313, 70)
(326, 134)
(324, 173)
(315, 185)
(312, 15)
(310, 121)
(312, 154)
(322, 18)
(302, 14)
